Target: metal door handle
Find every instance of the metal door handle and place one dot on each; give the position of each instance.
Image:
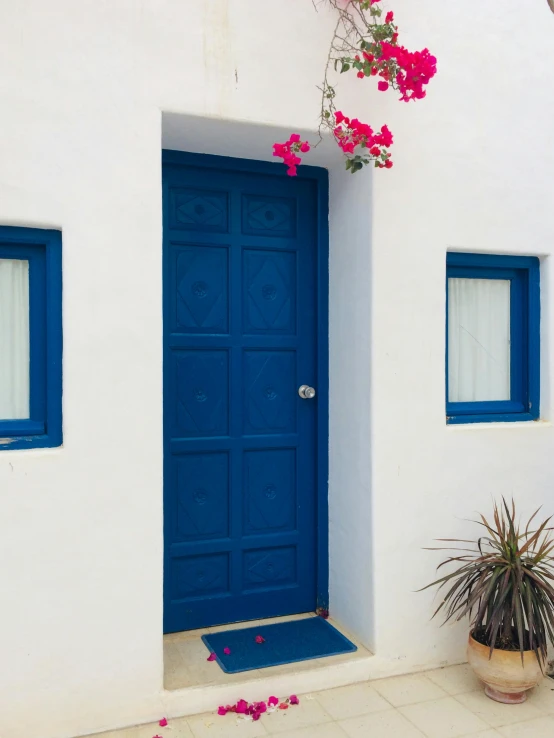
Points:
(306, 392)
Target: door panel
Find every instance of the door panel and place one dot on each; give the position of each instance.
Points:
(240, 503)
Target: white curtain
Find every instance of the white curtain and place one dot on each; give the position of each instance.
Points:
(478, 340)
(14, 339)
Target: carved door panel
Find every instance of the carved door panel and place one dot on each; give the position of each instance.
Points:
(239, 442)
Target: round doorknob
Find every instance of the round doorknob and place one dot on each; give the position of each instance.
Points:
(306, 392)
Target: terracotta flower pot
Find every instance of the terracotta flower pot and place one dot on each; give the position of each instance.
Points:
(506, 680)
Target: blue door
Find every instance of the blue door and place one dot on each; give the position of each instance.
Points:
(240, 326)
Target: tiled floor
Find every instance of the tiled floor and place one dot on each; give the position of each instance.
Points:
(185, 655)
(447, 703)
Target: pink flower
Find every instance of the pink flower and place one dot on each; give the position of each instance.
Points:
(389, 17)
(272, 701)
(226, 651)
(288, 152)
(260, 707)
(360, 75)
(388, 164)
(211, 657)
(162, 723)
(255, 716)
(259, 639)
(383, 86)
(293, 699)
(242, 707)
(222, 710)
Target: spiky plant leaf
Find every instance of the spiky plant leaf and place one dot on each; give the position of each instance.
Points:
(505, 585)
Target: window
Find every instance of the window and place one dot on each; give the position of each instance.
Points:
(492, 338)
(30, 338)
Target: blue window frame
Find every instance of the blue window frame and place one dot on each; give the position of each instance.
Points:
(523, 275)
(42, 249)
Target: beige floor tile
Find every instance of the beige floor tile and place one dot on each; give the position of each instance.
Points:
(496, 713)
(540, 728)
(177, 729)
(444, 718)
(356, 699)
(256, 623)
(194, 668)
(484, 734)
(455, 679)
(304, 715)
(329, 730)
(408, 690)
(223, 726)
(385, 724)
(184, 635)
(543, 696)
(172, 657)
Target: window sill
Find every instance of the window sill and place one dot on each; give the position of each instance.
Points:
(464, 425)
(14, 443)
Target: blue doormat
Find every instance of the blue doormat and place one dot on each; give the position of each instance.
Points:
(284, 643)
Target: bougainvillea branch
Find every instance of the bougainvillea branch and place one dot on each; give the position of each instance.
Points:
(365, 42)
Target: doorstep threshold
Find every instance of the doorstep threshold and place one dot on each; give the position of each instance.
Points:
(192, 685)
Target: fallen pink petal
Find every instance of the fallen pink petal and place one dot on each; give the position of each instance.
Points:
(259, 639)
(242, 707)
(226, 650)
(283, 706)
(293, 699)
(163, 722)
(211, 657)
(255, 716)
(222, 710)
(272, 701)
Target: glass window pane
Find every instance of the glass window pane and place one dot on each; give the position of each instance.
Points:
(14, 339)
(478, 340)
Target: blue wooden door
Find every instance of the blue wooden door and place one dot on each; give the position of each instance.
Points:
(240, 505)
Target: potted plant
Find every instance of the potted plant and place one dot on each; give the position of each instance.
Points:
(504, 586)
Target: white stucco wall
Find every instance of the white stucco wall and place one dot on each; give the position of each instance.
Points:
(82, 87)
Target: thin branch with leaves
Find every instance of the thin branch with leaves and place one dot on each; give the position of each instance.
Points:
(364, 41)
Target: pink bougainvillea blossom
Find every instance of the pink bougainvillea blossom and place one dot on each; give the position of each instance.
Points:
(259, 639)
(415, 69)
(241, 707)
(255, 710)
(365, 41)
(211, 657)
(226, 650)
(163, 722)
(289, 150)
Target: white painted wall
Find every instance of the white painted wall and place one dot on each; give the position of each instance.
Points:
(81, 90)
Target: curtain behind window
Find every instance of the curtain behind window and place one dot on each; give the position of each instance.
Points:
(478, 340)
(14, 339)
